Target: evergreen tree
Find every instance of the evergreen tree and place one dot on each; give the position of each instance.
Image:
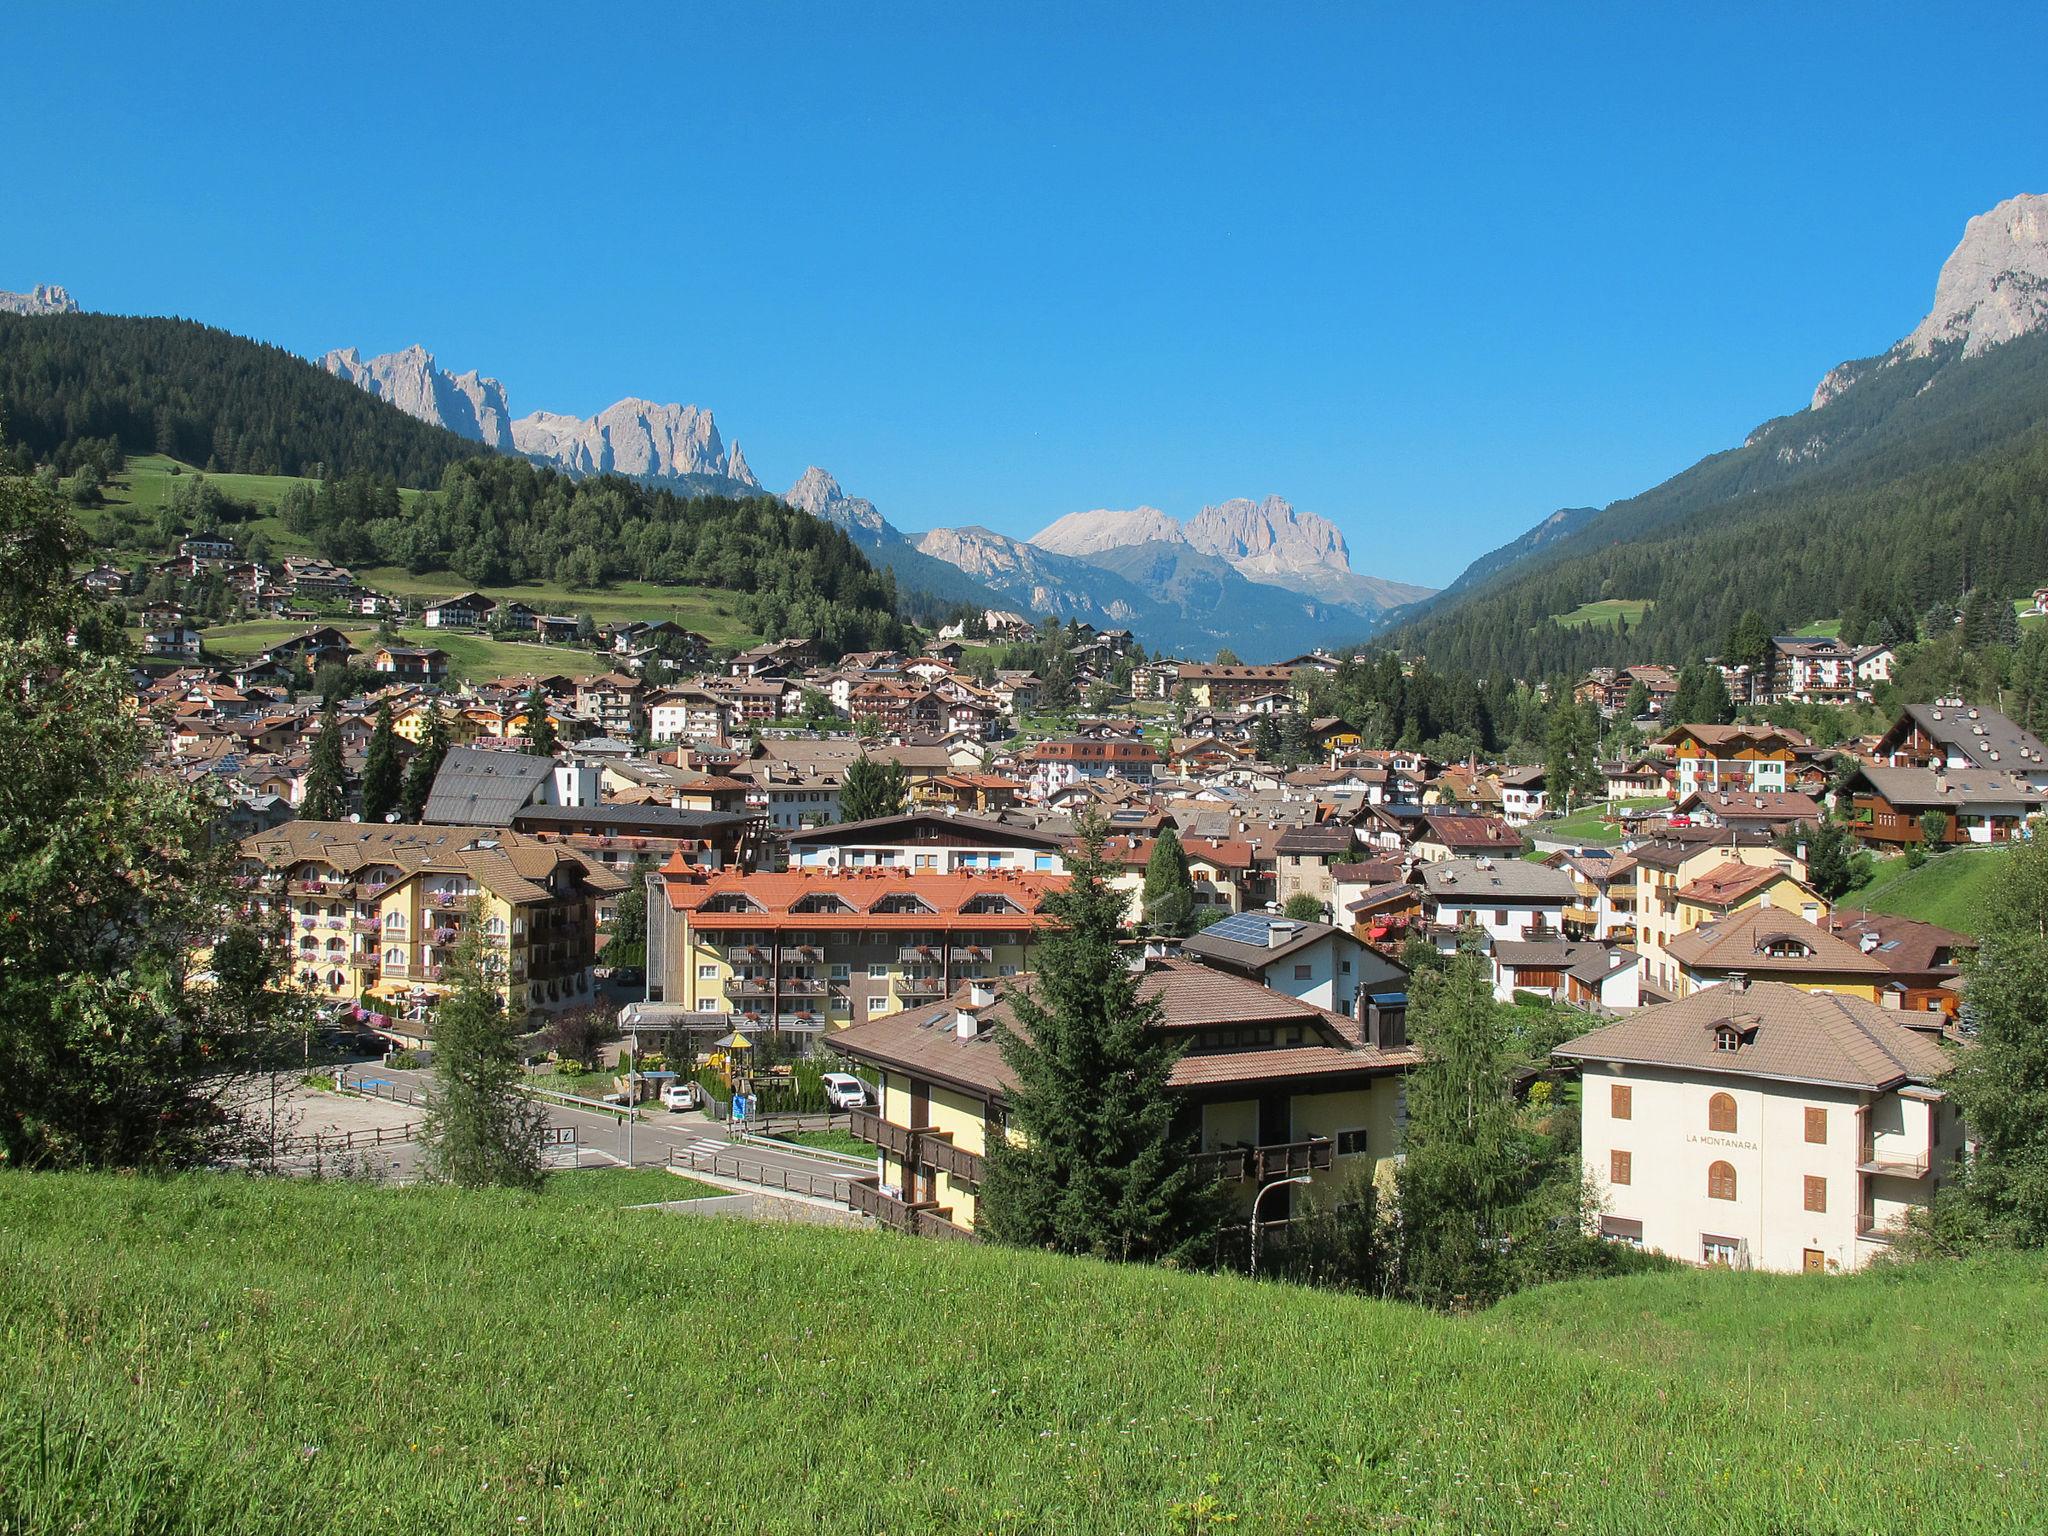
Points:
(2001, 1082)
(480, 1130)
(872, 789)
(1638, 704)
(540, 728)
(1169, 896)
(628, 942)
(1266, 739)
(109, 1057)
(1101, 1161)
(425, 764)
(1568, 758)
(326, 797)
(382, 776)
(1829, 866)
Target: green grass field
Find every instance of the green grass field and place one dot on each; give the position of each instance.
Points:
(470, 656)
(614, 1189)
(1951, 889)
(1606, 611)
(831, 1141)
(1821, 629)
(227, 1355)
(1588, 824)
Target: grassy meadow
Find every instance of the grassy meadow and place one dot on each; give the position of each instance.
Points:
(1951, 889)
(1606, 611)
(1589, 823)
(226, 1355)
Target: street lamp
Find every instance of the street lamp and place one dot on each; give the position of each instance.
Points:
(1299, 1178)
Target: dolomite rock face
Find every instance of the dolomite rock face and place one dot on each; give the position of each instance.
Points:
(634, 437)
(467, 404)
(1089, 533)
(1993, 289)
(817, 493)
(43, 299)
(1268, 538)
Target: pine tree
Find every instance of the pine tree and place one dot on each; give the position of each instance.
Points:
(426, 763)
(326, 797)
(1169, 896)
(540, 729)
(1638, 704)
(1100, 1163)
(1828, 854)
(382, 775)
(480, 1130)
(872, 789)
(2001, 1082)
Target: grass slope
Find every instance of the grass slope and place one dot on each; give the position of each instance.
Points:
(229, 1355)
(1606, 611)
(1951, 889)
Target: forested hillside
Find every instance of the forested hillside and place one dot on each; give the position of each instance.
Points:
(499, 520)
(1927, 482)
(203, 396)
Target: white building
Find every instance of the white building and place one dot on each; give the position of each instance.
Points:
(1507, 899)
(1313, 962)
(1764, 1126)
(926, 842)
(1522, 795)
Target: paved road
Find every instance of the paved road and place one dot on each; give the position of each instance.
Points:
(657, 1133)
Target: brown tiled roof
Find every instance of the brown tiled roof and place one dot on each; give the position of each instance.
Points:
(1787, 1034)
(1905, 945)
(1743, 941)
(925, 1041)
(1726, 884)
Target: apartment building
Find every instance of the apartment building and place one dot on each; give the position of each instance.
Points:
(1673, 861)
(1763, 1126)
(928, 842)
(1279, 1088)
(1711, 758)
(374, 910)
(811, 950)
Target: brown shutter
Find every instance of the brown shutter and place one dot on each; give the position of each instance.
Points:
(1621, 1101)
(1620, 1167)
(1721, 1181)
(1816, 1191)
(1721, 1113)
(1817, 1126)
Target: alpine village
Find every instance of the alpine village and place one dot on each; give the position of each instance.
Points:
(547, 987)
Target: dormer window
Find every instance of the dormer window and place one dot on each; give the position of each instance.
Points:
(1727, 1039)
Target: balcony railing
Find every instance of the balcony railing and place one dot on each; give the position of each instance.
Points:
(1274, 1160)
(871, 1127)
(918, 954)
(1899, 1165)
(919, 986)
(923, 1218)
(740, 954)
(803, 986)
(919, 1145)
(749, 986)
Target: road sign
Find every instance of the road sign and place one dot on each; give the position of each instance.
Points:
(740, 1106)
(559, 1136)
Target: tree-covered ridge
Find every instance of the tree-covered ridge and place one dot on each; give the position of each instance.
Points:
(203, 396)
(1922, 484)
(499, 520)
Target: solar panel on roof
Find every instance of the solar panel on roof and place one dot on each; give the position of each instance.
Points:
(1241, 928)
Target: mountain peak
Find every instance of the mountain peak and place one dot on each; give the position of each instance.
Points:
(814, 491)
(42, 299)
(1082, 534)
(468, 405)
(1268, 537)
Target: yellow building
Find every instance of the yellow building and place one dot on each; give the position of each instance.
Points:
(816, 949)
(411, 723)
(372, 911)
(1768, 943)
(1666, 865)
(1280, 1089)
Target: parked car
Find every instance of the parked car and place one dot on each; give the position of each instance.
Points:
(681, 1096)
(845, 1091)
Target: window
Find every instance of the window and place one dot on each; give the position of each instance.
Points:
(1621, 1099)
(1721, 1113)
(1500, 918)
(842, 1005)
(1718, 1250)
(1622, 1229)
(1621, 1167)
(1727, 1040)
(1817, 1126)
(1347, 967)
(878, 1004)
(707, 973)
(1303, 972)
(1350, 1143)
(878, 970)
(837, 972)
(394, 920)
(1721, 1181)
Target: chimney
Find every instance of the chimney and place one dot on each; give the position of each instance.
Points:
(1867, 943)
(965, 1024)
(980, 995)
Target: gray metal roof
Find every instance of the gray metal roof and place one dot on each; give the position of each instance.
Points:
(479, 787)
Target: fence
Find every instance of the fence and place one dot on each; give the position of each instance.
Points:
(727, 1165)
(381, 1088)
(345, 1141)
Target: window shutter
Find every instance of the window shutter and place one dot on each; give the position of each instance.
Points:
(1721, 1113)
(1817, 1126)
(1621, 1101)
(1816, 1191)
(1620, 1167)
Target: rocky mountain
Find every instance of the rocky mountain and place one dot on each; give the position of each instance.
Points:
(1912, 478)
(662, 443)
(467, 404)
(1992, 289)
(43, 299)
(633, 437)
(1268, 542)
(1082, 534)
(817, 493)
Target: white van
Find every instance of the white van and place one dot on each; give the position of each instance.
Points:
(844, 1091)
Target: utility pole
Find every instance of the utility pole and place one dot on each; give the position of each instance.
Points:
(1299, 1178)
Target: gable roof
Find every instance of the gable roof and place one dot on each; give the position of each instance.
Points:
(1744, 940)
(1478, 881)
(477, 786)
(1788, 1035)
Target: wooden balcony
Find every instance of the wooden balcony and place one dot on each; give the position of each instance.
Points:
(1896, 1164)
(919, 1145)
(918, 986)
(1229, 1166)
(1274, 1160)
(869, 1126)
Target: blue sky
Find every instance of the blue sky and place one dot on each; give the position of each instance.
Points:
(1430, 273)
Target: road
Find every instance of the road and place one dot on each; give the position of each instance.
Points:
(656, 1137)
